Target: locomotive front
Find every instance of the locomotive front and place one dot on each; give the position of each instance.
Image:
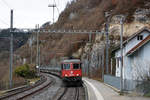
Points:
(71, 70)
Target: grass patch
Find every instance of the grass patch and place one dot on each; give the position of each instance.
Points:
(32, 81)
(1, 93)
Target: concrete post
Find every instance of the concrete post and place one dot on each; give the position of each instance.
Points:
(11, 50)
(121, 53)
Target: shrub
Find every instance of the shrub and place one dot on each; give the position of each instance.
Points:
(25, 71)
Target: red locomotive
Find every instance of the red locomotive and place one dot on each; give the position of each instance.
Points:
(71, 70)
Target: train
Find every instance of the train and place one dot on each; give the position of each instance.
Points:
(71, 70)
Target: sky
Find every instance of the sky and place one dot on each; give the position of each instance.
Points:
(28, 13)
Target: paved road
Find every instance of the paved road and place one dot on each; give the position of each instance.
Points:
(99, 91)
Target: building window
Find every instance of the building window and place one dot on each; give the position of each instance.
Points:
(117, 62)
(140, 37)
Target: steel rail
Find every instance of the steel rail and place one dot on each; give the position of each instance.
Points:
(27, 89)
(77, 93)
(20, 90)
(29, 94)
(62, 95)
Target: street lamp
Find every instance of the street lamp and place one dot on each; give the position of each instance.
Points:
(38, 70)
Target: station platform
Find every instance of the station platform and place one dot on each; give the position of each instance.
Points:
(100, 91)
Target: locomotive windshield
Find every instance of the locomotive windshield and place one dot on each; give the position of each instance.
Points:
(66, 66)
(76, 66)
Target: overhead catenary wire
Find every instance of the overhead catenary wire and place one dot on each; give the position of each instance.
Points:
(9, 7)
(60, 31)
(3, 22)
(6, 4)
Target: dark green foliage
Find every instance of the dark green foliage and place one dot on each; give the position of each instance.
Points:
(25, 71)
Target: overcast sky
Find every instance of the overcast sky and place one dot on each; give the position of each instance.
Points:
(28, 13)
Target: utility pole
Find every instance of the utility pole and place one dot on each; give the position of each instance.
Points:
(121, 18)
(37, 55)
(37, 38)
(11, 50)
(53, 6)
(88, 64)
(89, 51)
(31, 47)
(121, 53)
(107, 15)
(103, 65)
(90, 38)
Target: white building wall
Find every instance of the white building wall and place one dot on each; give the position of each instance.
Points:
(128, 61)
(141, 63)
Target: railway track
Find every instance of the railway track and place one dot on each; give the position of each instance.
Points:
(76, 94)
(28, 91)
(47, 84)
(69, 93)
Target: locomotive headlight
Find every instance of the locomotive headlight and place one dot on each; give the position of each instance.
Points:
(66, 75)
(77, 74)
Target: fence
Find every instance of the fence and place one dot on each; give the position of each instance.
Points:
(138, 86)
(4, 85)
(112, 80)
(129, 85)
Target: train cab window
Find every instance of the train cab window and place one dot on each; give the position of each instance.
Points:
(76, 66)
(66, 66)
(61, 66)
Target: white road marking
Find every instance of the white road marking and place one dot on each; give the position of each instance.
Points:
(97, 93)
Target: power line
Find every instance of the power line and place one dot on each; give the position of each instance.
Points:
(6, 4)
(9, 7)
(3, 22)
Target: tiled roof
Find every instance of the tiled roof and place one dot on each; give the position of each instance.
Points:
(138, 45)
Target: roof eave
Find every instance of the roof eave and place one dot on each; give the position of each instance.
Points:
(129, 54)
